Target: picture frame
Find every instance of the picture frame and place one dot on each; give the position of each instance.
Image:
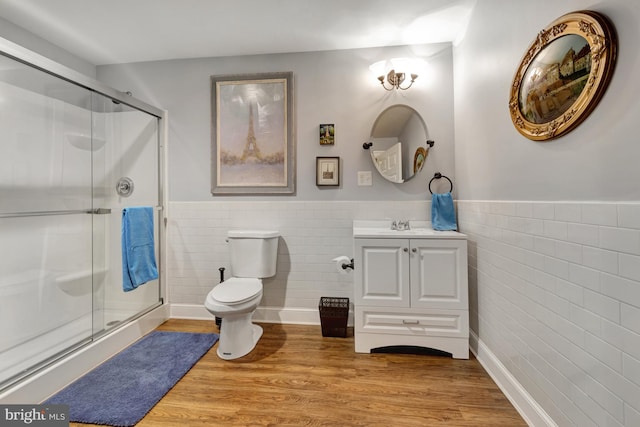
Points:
(327, 134)
(252, 134)
(419, 158)
(563, 75)
(327, 171)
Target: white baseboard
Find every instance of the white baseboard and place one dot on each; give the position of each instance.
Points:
(298, 316)
(527, 407)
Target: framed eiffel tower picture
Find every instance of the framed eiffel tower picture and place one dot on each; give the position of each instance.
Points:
(252, 132)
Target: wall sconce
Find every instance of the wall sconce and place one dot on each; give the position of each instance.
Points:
(395, 71)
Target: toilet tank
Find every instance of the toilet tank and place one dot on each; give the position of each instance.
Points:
(253, 253)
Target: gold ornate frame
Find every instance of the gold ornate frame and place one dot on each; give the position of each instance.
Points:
(545, 103)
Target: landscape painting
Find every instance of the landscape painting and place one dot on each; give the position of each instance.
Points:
(555, 79)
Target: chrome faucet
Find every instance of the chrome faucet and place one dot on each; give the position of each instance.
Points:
(400, 225)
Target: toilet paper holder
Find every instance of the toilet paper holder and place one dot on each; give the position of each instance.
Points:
(350, 265)
(344, 265)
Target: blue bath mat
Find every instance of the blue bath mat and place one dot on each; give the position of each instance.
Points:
(123, 389)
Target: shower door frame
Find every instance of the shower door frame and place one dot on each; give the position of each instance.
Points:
(48, 379)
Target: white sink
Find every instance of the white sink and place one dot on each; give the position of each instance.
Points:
(382, 229)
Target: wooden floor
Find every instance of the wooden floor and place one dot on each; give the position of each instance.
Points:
(296, 377)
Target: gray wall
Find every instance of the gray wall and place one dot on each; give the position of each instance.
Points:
(330, 87)
(596, 161)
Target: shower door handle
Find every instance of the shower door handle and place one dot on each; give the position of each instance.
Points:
(99, 211)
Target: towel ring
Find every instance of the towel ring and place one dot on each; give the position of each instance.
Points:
(438, 175)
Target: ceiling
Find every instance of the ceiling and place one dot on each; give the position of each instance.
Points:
(122, 31)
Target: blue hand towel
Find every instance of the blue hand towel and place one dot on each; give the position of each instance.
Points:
(138, 251)
(443, 214)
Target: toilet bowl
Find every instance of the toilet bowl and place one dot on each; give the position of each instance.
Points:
(234, 301)
(253, 257)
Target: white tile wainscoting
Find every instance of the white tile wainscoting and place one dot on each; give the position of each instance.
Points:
(313, 233)
(555, 306)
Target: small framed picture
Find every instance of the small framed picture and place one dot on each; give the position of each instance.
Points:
(327, 134)
(327, 171)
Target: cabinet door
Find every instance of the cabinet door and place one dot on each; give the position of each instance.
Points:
(439, 274)
(382, 272)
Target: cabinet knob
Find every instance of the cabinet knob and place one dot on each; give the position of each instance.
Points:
(414, 250)
(406, 249)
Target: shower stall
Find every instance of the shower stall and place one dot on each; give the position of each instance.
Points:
(73, 154)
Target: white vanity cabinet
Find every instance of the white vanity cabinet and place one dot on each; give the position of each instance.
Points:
(411, 291)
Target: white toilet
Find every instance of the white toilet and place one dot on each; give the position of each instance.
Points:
(253, 255)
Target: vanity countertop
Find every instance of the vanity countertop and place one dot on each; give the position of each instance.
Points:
(419, 230)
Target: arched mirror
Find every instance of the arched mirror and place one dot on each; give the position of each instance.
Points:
(398, 143)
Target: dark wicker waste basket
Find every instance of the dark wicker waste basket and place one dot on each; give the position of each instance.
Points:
(334, 313)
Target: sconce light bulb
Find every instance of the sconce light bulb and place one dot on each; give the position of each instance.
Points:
(400, 68)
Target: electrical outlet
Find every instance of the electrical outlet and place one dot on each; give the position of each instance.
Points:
(364, 178)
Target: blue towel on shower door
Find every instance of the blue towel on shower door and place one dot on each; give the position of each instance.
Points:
(443, 214)
(138, 250)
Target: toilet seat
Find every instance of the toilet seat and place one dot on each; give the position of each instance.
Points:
(236, 290)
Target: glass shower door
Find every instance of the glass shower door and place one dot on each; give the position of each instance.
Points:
(129, 154)
(46, 266)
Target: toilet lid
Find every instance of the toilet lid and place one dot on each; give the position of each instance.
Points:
(236, 290)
